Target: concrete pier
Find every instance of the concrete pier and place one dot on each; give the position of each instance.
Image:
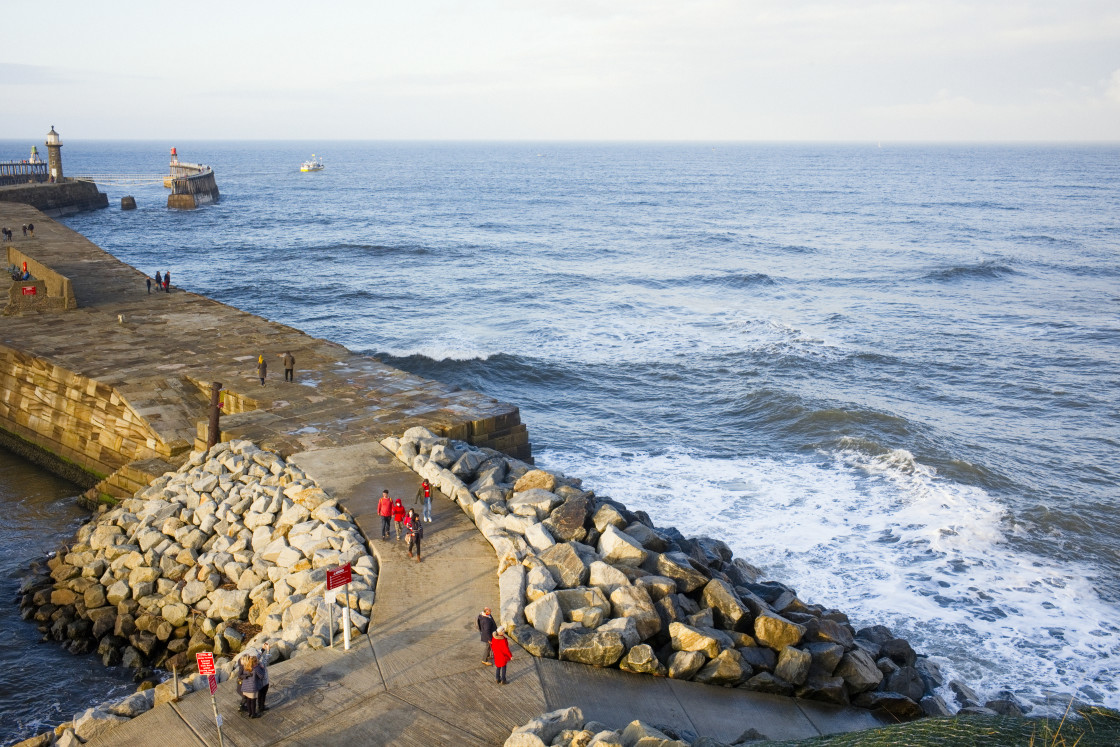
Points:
(127, 371)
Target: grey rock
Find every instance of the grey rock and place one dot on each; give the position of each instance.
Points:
(897, 706)
(683, 665)
(726, 669)
(765, 682)
(777, 632)
(545, 614)
(641, 660)
(859, 671)
(905, 681)
(935, 706)
(793, 665)
(566, 520)
(533, 641)
(675, 565)
(547, 726)
(730, 613)
(595, 648)
(567, 567)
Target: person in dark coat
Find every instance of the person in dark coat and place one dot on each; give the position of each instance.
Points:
(502, 656)
(486, 628)
(262, 368)
(149, 280)
(289, 366)
(159, 281)
(385, 511)
(415, 533)
(167, 282)
(31, 229)
(250, 684)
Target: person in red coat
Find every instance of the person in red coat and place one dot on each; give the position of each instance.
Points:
(502, 656)
(398, 516)
(385, 511)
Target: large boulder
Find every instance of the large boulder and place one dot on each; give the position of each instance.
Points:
(606, 577)
(859, 670)
(547, 726)
(684, 664)
(95, 722)
(511, 596)
(633, 602)
(641, 660)
(793, 665)
(584, 596)
(675, 565)
(608, 515)
(535, 479)
(566, 565)
(618, 548)
(535, 502)
(775, 631)
(598, 649)
(567, 519)
(726, 669)
(687, 638)
(534, 641)
(730, 613)
(231, 604)
(545, 614)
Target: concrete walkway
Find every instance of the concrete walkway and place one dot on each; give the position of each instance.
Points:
(417, 678)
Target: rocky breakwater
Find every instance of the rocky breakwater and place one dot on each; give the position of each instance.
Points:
(584, 579)
(227, 553)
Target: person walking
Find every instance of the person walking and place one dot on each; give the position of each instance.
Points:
(415, 533)
(31, 229)
(486, 628)
(385, 511)
(262, 368)
(424, 498)
(159, 281)
(398, 517)
(167, 282)
(502, 656)
(149, 281)
(289, 366)
(24, 226)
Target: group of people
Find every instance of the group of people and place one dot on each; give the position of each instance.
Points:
(408, 523)
(495, 646)
(163, 282)
(252, 681)
(8, 233)
(19, 273)
(289, 361)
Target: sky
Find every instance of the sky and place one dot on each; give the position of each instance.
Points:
(753, 70)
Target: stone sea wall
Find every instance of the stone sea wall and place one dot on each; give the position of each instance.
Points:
(57, 199)
(224, 555)
(584, 579)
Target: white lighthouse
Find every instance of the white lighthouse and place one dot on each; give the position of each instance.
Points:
(54, 154)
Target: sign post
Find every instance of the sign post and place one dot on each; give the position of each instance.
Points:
(205, 661)
(336, 577)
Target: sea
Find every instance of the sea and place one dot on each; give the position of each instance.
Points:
(888, 375)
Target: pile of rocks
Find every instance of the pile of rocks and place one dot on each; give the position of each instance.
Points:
(584, 579)
(566, 728)
(228, 553)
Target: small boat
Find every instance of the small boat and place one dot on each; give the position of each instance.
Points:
(312, 164)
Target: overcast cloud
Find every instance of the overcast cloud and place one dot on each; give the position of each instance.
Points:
(564, 70)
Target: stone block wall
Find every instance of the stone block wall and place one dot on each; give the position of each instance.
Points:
(75, 418)
(57, 199)
(56, 293)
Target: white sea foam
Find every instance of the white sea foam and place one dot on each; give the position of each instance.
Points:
(886, 540)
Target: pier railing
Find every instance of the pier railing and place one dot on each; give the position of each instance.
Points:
(192, 179)
(22, 172)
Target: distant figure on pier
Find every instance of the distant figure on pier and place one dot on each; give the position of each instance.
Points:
(159, 281)
(31, 229)
(7, 233)
(486, 628)
(24, 229)
(148, 280)
(385, 511)
(167, 282)
(262, 365)
(289, 366)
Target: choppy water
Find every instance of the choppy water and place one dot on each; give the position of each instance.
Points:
(887, 375)
(37, 680)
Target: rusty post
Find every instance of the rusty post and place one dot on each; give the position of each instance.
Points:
(214, 432)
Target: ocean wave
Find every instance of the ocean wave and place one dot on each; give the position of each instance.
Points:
(734, 280)
(986, 270)
(884, 538)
